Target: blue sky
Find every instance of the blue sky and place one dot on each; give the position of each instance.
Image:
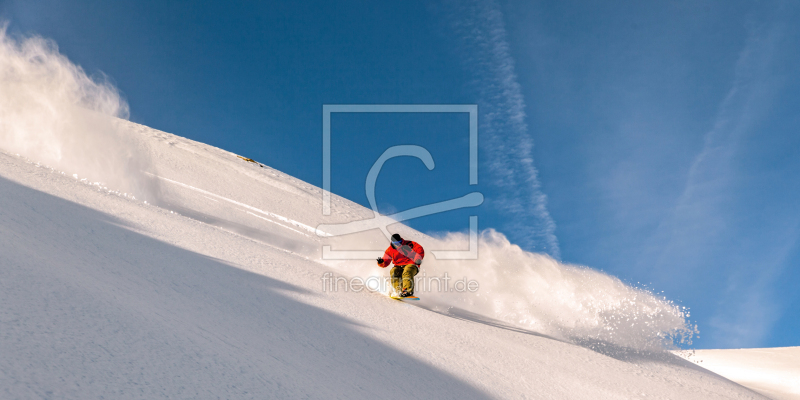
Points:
(655, 141)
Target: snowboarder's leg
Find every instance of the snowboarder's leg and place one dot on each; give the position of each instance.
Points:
(408, 278)
(397, 274)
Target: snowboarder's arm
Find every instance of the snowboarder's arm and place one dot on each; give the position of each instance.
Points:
(419, 253)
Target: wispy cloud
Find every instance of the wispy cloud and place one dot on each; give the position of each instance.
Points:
(506, 142)
(705, 226)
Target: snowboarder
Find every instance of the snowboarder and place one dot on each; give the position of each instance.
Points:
(407, 257)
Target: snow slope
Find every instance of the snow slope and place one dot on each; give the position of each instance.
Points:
(774, 372)
(212, 289)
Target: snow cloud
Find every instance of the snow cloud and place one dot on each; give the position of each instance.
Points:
(52, 112)
(534, 292)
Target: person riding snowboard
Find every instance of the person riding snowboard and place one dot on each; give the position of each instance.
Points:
(407, 257)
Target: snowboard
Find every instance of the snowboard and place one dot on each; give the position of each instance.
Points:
(405, 298)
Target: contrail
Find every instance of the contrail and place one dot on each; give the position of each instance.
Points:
(508, 144)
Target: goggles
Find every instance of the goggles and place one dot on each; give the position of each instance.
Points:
(396, 243)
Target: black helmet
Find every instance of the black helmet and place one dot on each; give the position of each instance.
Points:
(396, 240)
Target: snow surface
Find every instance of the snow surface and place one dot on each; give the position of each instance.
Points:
(774, 372)
(209, 286)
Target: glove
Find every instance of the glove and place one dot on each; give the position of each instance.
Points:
(380, 260)
(418, 262)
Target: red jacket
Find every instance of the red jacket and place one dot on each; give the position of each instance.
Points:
(407, 253)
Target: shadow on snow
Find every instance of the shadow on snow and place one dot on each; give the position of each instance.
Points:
(90, 308)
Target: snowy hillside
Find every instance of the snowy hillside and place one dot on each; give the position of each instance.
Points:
(206, 282)
(774, 372)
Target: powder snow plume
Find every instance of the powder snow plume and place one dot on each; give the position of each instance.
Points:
(53, 113)
(535, 292)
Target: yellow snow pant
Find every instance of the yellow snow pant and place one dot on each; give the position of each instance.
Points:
(407, 273)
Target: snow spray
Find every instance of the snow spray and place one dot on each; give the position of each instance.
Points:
(535, 292)
(53, 113)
